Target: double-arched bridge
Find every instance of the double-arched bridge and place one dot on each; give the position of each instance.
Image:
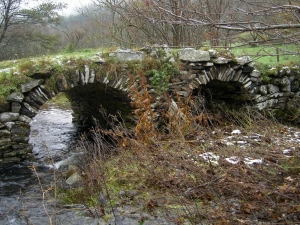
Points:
(219, 77)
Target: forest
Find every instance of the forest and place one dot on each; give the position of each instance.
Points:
(27, 30)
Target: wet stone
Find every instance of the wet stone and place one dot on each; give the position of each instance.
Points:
(4, 107)
(30, 108)
(30, 85)
(10, 160)
(15, 97)
(61, 83)
(19, 139)
(46, 91)
(31, 102)
(20, 129)
(213, 53)
(16, 153)
(247, 69)
(25, 111)
(9, 116)
(127, 55)
(41, 95)
(273, 88)
(243, 60)
(122, 194)
(36, 98)
(193, 55)
(4, 133)
(15, 107)
(9, 125)
(221, 60)
(255, 73)
(4, 142)
(263, 89)
(25, 119)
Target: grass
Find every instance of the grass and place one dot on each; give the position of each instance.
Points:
(60, 100)
(21, 68)
(16, 72)
(83, 53)
(63, 56)
(9, 82)
(174, 174)
(255, 52)
(266, 55)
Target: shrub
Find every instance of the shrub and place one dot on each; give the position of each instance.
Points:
(183, 170)
(70, 48)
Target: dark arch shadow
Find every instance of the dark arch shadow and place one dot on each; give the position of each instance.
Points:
(87, 100)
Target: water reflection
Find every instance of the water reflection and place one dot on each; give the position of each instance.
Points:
(52, 131)
(14, 178)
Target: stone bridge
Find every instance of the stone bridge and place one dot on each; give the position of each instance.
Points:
(220, 78)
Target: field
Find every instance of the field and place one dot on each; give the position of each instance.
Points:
(267, 56)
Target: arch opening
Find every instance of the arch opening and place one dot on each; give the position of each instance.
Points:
(230, 94)
(87, 101)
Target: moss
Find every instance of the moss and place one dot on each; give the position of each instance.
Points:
(9, 82)
(61, 100)
(272, 72)
(72, 196)
(161, 53)
(291, 165)
(285, 115)
(278, 113)
(266, 78)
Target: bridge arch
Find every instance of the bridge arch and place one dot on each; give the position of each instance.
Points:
(227, 84)
(234, 81)
(87, 90)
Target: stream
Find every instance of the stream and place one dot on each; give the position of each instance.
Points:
(22, 199)
(26, 189)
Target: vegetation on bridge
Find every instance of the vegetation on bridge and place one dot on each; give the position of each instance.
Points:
(15, 72)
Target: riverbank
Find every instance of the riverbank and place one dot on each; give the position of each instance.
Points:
(26, 195)
(244, 171)
(31, 192)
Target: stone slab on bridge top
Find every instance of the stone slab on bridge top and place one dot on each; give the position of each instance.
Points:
(127, 55)
(225, 78)
(193, 55)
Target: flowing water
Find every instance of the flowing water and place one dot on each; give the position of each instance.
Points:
(22, 199)
(26, 190)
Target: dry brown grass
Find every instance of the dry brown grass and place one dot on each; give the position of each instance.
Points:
(174, 178)
(169, 174)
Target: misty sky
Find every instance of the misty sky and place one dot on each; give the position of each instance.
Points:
(72, 4)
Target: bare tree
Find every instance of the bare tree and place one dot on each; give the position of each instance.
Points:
(193, 22)
(17, 13)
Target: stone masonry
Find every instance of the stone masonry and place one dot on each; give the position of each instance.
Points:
(221, 78)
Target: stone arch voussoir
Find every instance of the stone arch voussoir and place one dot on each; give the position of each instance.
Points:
(236, 78)
(24, 105)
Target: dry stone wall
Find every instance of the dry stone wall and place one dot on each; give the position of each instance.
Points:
(223, 78)
(277, 90)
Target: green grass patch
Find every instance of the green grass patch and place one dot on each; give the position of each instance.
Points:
(160, 73)
(266, 55)
(9, 82)
(16, 72)
(291, 165)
